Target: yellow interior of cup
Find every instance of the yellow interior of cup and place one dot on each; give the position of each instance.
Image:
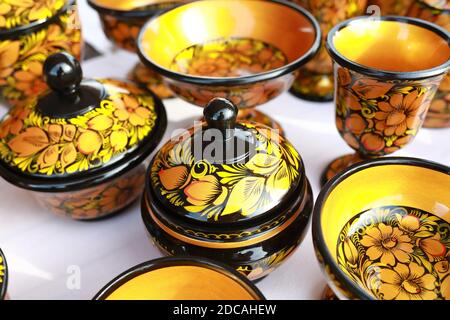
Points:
(182, 283)
(384, 185)
(391, 45)
(128, 4)
(199, 22)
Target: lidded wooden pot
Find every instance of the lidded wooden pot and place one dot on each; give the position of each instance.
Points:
(231, 191)
(80, 146)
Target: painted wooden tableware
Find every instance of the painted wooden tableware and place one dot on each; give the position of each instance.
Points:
(230, 49)
(384, 83)
(80, 146)
(314, 81)
(180, 278)
(376, 237)
(29, 32)
(3, 276)
(438, 12)
(231, 191)
(121, 21)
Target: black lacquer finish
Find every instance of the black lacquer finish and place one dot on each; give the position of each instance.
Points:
(256, 259)
(248, 208)
(35, 25)
(70, 96)
(231, 142)
(4, 277)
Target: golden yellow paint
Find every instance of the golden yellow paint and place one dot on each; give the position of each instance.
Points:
(203, 21)
(213, 190)
(129, 4)
(260, 236)
(98, 201)
(391, 46)
(16, 13)
(386, 185)
(22, 58)
(228, 58)
(407, 249)
(40, 145)
(182, 283)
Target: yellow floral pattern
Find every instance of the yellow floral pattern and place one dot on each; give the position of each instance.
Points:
(261, 268)
(22, 58)
(14, 13)
(2, 272)
(215, 191)
(37, 144)
(376, 116)
(98, 201)
(230, 57)
(397, 253)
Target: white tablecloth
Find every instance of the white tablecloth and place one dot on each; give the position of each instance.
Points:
(43, 250)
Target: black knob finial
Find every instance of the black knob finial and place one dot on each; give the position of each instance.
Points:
(221, 114)
(63, 73)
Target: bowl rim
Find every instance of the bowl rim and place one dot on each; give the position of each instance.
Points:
(37, 24)
(242, 80)
(151, 9)
(431, 7)
(4, 284)
(379, 73)
(317, 233)
(164, 262)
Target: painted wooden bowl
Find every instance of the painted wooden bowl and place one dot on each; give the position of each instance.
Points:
(180, 278)
(230, 49)
(80, 146)
(381, 230)
(228, 190)
(383, 95)
(3, 276)
(29, 32)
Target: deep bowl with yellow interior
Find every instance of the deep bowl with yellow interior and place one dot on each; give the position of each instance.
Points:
(29, 32)
(387, 70)
(245, 51)
(80, 146)
(233, 191)
(121, 21)
(381, 230)
(180, 278)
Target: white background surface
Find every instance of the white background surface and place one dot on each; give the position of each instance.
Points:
(40, 247)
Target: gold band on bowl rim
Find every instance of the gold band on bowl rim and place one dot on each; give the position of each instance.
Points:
(233, 244)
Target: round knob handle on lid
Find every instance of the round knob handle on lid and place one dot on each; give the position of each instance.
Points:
(70, 95)
(221, 114)
(62, 73)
